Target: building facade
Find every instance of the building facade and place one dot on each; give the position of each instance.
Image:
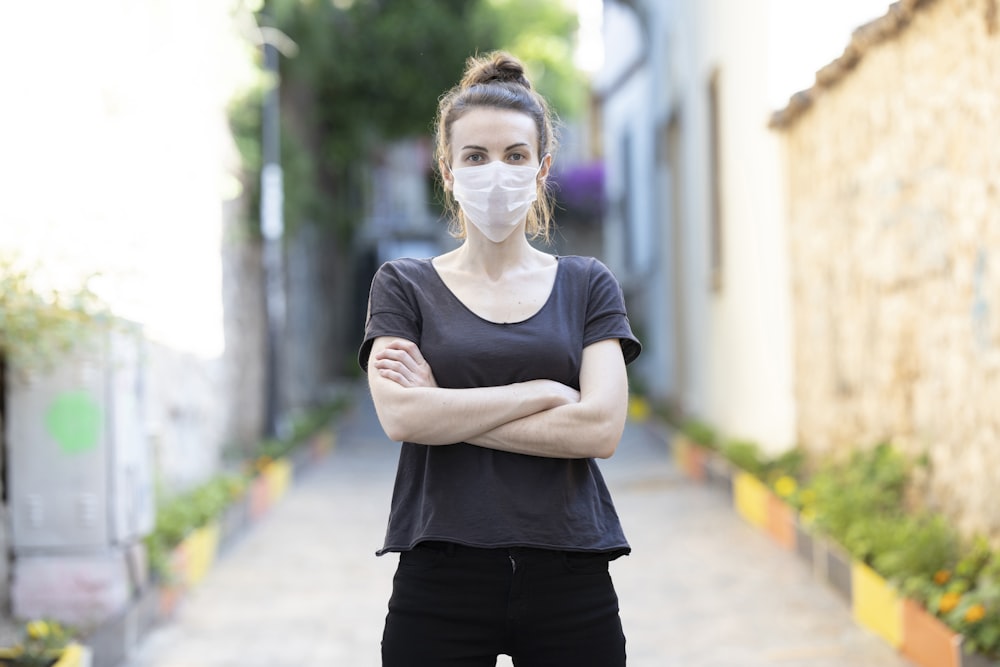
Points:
(696, 220)
(894, 234)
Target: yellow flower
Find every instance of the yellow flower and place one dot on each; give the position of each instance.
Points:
(942, 577)
(975, 613)
(38, 629)
(808, 496)
(948, 602)
(785, 486)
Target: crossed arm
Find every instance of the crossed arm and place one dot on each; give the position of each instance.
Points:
(538, 417)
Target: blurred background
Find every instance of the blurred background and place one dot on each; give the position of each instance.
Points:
(798, 196)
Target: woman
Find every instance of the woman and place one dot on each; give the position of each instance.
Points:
(501, 369)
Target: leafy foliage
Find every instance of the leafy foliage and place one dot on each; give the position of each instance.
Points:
(177, 517)
(43, 641)
(870, 484)
(36, 325)
(540, 34)
(369, 71)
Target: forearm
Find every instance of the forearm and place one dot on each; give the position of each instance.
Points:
(439, 416)
(588, 428)
(571, 431)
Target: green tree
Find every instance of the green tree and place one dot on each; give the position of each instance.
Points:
(542, 35)
(367, 72)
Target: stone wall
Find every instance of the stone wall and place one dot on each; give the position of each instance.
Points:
(894, 215)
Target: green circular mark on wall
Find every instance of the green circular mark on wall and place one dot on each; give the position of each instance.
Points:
(74, 421)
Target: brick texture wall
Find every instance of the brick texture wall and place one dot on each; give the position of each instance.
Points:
(894, 181)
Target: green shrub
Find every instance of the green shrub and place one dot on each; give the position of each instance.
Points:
(700, 433)
(850, 497)
(905, 549)
(177, 517)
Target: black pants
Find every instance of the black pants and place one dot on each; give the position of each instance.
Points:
(454, 606)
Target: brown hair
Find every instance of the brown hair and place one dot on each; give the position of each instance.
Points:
(496, 80)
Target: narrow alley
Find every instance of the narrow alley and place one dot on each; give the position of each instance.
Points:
(701, 588)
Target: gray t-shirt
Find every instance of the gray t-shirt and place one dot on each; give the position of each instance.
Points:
(482, 497)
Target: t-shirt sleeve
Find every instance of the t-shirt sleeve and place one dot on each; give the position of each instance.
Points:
(392, 311)
(606, 316)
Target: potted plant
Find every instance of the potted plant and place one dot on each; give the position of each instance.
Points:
(44, 643)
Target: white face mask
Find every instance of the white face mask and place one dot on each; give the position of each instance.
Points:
(496, 196)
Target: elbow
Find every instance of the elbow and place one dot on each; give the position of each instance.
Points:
(606, 449)
(607, 439)
(394, 432)
(394, 425)
(395, 412)
(399, 427)
(604, 442)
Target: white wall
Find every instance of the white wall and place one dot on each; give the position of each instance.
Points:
(731, 366)
(724, 355)
(117, 159)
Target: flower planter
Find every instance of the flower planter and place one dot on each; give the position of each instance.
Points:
(74, 655)
(719, 473)
(260, 497)
(201, 548)
(974, 660)
(278, 476)
(927, 641)
(837, 570)
(690, 457)
(322, 444)
(750, 497)
(804, 542)
(680, 450)
(234, 521)
(698, 463)
(168, 600)
(780, 522)
(876, 605)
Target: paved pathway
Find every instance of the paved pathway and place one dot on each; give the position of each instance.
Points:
(701, 589)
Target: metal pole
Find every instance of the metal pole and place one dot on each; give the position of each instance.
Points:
(272, 229)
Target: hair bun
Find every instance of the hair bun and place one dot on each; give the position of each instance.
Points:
(498, 66)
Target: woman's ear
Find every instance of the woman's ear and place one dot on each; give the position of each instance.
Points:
(543, 168)
(447, 178)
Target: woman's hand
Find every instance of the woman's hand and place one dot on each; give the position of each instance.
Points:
(401, 362)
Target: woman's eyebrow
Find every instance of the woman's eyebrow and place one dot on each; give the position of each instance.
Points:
(483, 148)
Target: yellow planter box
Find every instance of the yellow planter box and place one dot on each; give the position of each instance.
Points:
(876, 605)
(750, 496)
(279, 476)
(200, 549)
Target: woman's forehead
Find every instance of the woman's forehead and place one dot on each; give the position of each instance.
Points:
(489, 127)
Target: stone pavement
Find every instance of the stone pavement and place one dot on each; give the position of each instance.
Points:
(701, 588)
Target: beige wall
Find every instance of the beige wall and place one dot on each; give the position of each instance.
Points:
(894, 238)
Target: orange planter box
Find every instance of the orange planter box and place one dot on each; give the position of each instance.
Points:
(260, 497)
(927, 641)
(781, 522)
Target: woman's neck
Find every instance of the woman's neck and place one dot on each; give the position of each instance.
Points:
(494, 260)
